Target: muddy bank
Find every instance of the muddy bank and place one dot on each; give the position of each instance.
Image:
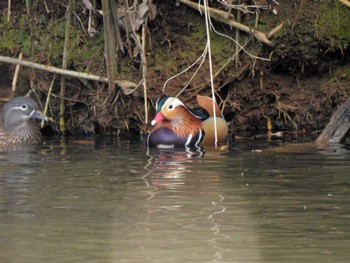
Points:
(304, 81)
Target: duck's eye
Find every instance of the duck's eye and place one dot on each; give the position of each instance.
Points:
(24, 106)
(170, 107)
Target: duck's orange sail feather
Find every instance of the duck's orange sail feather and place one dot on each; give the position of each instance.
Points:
(207, 104)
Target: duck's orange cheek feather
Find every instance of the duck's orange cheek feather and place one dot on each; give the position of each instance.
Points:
(159, 117)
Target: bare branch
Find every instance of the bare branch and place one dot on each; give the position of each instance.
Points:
(125, 85)
(229, 19)
(345, 2)
(243, 7)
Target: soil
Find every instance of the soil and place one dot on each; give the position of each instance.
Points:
(306, 78)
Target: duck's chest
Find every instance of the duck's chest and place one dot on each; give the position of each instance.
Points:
(19, 138)
(165, 136)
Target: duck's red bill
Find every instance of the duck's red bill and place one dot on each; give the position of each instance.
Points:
(159, 117)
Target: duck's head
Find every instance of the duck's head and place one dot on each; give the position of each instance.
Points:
(18, 111)
(167, 108)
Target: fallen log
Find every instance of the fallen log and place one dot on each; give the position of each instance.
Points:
(125, 85)
(338, 128)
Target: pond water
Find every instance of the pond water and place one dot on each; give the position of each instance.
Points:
(116, 201)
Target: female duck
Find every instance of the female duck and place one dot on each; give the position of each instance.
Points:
(177, 125)
(17, 127)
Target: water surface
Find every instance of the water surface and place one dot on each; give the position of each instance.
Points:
(117, 201)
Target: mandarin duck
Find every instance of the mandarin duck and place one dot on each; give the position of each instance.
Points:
(17, 127)
(177, 125)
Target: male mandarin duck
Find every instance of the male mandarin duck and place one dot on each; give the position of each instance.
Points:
(177, 125)
(17, 127)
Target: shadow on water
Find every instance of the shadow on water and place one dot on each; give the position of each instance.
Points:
(113, 201)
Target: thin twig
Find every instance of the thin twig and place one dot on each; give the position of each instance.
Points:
(118, 37)
(8, 10)
(15, 76)
(207, 18)
(144, 69)
(28, 7)
(202, 56)
(109, 38)
(64, 66)
(48, 100)
(241, 47)
(127, 25)
(237, 47)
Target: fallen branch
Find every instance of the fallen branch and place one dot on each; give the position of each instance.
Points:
(229, 19)
(345, 2)
(337, 130)
(125, 85)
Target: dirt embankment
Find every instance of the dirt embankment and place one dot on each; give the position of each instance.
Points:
(306, 76)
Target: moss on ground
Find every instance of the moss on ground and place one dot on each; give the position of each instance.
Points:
(333, 24)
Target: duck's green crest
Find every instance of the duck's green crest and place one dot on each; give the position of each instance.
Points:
(160, 103)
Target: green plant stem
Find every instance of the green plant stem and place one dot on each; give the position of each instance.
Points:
(64, 66)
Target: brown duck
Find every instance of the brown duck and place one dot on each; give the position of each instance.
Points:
(17, 127)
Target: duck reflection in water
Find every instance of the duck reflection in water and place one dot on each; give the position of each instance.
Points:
(168, 166)
(189, 197)
(170, 160)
